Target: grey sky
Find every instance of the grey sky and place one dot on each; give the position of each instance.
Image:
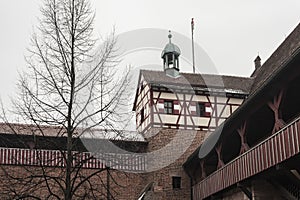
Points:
(232, 32)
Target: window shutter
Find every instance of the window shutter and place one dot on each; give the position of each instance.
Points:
(160, 105)
(193, 108)
(160, 101)
(176, 107)
(207, 105)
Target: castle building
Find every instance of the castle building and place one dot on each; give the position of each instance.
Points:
(174, 109)
(170, 99)
(204, 136)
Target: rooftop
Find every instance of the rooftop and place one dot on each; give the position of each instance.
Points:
(233, 83)
(262, 79)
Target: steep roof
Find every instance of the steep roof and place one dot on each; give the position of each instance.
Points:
(57, 131)
(231, 83)
(262, 78)
(276, 61)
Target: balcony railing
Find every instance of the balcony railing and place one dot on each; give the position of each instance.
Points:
(56, 158)
(273, 150)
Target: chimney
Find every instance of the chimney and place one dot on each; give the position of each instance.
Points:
(257, 62)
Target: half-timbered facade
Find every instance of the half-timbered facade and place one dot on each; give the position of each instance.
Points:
(189, 101)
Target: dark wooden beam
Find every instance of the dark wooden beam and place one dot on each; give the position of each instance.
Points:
(246, 191)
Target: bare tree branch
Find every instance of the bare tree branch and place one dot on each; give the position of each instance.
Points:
(70, 84)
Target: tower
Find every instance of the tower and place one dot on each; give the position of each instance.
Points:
(170, 56)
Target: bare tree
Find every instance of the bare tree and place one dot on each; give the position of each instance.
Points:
(71, 85)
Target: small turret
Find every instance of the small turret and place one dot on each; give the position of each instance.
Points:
(170, 56)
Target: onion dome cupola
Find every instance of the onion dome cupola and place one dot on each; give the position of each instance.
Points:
(170, 56)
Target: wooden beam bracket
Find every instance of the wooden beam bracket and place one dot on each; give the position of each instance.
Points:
(246, 191)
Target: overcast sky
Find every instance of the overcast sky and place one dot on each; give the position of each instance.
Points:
(231, 32)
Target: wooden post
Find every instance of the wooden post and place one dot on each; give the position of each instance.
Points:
(242, 132)
(203, 173)
(220, 161)
(274, 105)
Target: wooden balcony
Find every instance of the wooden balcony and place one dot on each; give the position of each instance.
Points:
(54, 158)
(275, 149)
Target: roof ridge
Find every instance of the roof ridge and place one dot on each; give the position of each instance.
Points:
(276, 60)
(201, 74)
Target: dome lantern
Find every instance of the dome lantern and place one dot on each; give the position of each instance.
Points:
(170, 56)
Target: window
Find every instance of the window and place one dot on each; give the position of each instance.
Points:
(142, 115)
(168, 107)
(170, 60)
(176, 182)
(201, 110)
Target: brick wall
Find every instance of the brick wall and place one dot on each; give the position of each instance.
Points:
(17, 181)
(162, 178)
(122, 185)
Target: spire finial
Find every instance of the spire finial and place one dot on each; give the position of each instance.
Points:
(170, 36)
